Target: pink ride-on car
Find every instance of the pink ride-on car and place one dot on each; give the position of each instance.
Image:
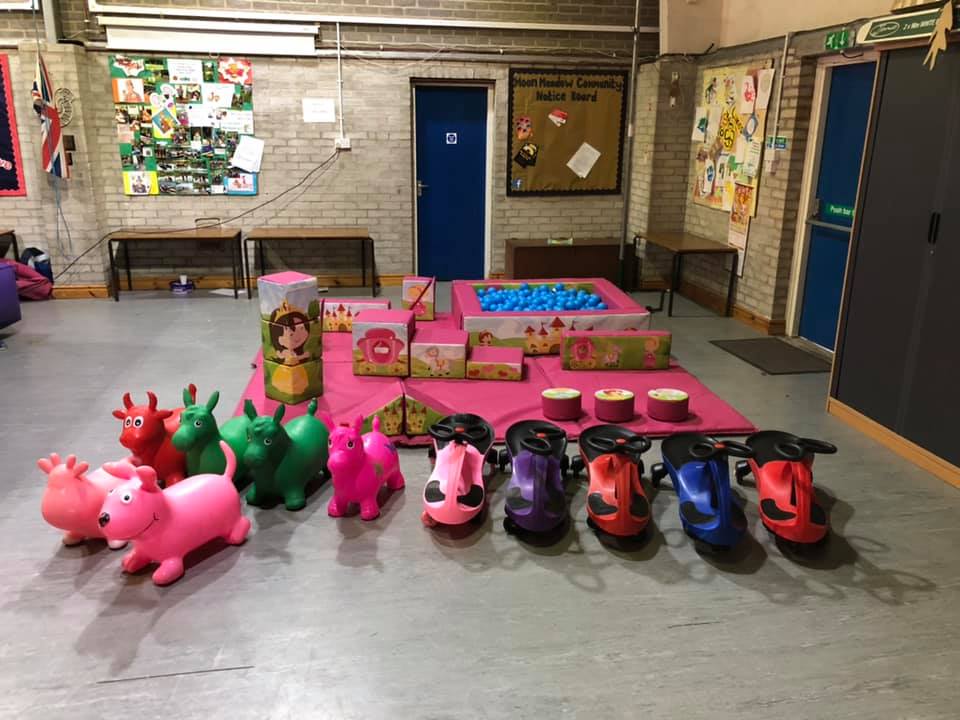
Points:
(455, 493)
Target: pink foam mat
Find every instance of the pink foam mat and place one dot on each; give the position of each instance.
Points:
(503, 403)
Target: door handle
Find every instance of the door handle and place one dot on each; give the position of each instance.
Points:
(934, 229)
(420, 187)
(829, 226)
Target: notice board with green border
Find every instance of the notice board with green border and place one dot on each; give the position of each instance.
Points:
(565, 135)
(178, 123)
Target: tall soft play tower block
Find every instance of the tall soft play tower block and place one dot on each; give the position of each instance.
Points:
(291, 333)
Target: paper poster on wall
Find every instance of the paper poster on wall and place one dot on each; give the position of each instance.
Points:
(736, 101)
(171, 141)
(248, 154)
(565, 131)
(11, 165)
(319, 110)
(583, 160)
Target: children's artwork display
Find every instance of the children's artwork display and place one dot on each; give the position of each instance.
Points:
(566, 131)
(179, 121)
(728, 129)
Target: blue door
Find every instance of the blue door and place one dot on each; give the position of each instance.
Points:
(451, 148)
(844, 135)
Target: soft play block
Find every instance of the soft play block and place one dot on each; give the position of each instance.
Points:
(438, 353)
(495, 363)
(292, 340)
(540, 333)
(413, 288)
(338, 313)
(297, 290)
(292, 384)
(381, 342)
(610, 350)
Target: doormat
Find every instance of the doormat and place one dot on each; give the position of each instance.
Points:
(774, 356)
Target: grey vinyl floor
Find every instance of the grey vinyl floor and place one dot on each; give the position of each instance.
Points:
(322, 618)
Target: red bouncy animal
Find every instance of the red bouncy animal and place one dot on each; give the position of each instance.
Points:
(146, 434)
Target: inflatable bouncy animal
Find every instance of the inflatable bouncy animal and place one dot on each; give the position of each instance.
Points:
(199, 436)
(165, 525)
(73, 497)
(284, 458)
(360, 465)
(147, 433)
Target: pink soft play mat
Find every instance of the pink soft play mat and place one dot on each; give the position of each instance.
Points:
(502, 403)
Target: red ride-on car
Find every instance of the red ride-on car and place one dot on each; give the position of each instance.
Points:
(616, 501)
(782, 465)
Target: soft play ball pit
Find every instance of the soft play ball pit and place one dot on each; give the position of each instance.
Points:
(539, 298)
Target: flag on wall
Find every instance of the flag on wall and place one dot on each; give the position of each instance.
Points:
(51, 136)
(11, 169)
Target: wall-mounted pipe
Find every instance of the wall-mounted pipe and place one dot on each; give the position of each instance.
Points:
(340, 82)
(628, 150)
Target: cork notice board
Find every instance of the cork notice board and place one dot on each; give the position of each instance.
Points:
(566, 131)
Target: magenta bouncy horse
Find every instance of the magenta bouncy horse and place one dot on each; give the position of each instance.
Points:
(360, 465)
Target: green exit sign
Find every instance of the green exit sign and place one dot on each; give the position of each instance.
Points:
(837, 40)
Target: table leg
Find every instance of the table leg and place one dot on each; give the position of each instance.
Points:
(233, 269)
(114, 275)
(126, 261)
(363, 262)
(733, 279)
(374, 284)
(262, 258)
(246, 268)
(675, 280)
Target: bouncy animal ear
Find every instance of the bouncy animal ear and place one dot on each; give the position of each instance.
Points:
(148, 478)
(214, 399)
(48, 464)
(81, 468)
(120, 414)
(327, 419)
(249, 410)
(278, 415)
(188, 397)
(163, 414)
(121, 469)
(358, 423)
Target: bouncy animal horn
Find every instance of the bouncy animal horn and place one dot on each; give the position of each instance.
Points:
(127, 402)
(152, 399)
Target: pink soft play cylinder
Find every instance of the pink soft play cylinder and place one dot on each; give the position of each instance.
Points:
(613, 405)
(164, 525)
(359, 466)
(561, 403)
(72, 499)
(668, 405)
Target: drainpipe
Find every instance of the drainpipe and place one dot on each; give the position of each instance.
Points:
(51, 21)
(628, 150)
(340, 82)
(776, 120)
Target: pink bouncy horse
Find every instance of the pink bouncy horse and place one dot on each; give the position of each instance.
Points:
(165, 525)
(360, 465)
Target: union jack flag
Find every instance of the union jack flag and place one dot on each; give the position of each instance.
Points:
(51, 136)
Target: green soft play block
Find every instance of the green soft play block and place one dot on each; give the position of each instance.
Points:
(292, 384)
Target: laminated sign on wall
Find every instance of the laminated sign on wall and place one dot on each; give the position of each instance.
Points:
(179, 122)
(566, 131)
(731, 116)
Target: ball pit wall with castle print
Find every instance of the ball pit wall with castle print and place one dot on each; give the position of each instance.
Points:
(539, 333)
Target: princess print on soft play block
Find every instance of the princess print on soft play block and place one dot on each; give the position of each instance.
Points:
(289, 332)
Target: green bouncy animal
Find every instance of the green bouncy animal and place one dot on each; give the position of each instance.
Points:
(198, 437)
(284, 458)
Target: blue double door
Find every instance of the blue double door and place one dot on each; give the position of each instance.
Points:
(451, 161)
(830, 224)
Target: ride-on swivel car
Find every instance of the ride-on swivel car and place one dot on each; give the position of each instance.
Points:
(536, 500)
(616, 501)
(782, 465)
(710, 512)
(455, 492)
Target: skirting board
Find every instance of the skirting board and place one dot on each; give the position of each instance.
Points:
(901, 446)
(204, 282)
